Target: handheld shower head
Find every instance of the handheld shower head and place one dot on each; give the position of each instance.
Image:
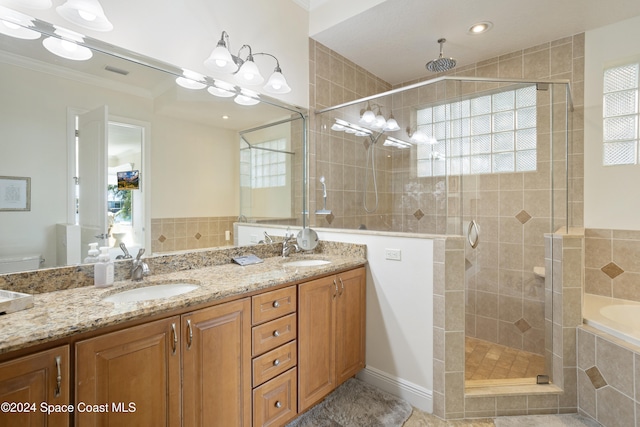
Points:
(324, 187)
(324, 210)
(441, 64)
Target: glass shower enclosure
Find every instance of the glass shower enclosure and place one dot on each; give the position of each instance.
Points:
(481, 158)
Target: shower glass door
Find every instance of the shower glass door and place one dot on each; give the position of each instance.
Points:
(502, 150)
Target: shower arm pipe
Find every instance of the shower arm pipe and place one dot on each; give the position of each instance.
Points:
(452, 78)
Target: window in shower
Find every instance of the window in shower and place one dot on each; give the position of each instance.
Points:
(480, 135)
(620, 115)
(265, 165)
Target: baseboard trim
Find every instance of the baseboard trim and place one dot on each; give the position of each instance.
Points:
(416, 395)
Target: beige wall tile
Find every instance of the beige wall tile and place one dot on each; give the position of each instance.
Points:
(619, 374)
(614, 408)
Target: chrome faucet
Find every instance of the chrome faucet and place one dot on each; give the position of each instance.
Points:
(139, 268)
(288, 244)
(126, 252)
(267, 239)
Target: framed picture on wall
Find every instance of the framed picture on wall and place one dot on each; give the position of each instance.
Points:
(129, 180)
(15, 193)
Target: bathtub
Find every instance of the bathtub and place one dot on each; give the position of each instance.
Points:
(617, 317)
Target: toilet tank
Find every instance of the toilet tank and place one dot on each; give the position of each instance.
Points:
(19, 263)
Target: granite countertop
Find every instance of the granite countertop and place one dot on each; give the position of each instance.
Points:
(63, 313)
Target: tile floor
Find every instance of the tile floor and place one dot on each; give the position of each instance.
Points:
(423, 419)
(488, 361)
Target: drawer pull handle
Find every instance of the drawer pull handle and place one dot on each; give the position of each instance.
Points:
(278, 404)
(336, 285)
(58, 389)
(276, 304)
(276, 362)
(276, 333)
(174, 341)
(190, 339)
(341, 284)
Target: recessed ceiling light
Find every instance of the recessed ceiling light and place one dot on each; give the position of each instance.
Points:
(480, 27)
(225, 117)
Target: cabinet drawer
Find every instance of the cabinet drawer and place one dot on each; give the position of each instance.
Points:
(273, 334)
(274, 363)
(274, 403)
(273, 304)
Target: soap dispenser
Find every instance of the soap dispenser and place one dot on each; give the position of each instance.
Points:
(104, 269)
(93, 253)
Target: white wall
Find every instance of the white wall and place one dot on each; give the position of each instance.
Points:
(332, 12)
(195, 170)
(399, 309)
(612, 193)
(184, 33)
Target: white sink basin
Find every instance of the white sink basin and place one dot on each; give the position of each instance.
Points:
(306, 263)
(151, 292)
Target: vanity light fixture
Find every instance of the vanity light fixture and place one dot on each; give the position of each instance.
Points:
(480, 27)
(245, 70)
(14, 24)
(67, 46)
(191, 80)
(85, 13)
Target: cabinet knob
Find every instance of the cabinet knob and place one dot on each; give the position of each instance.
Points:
(276, 304)
(276, 362)
(276, 333)
(278, 404)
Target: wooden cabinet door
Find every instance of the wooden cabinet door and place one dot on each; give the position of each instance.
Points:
(316, 340)
(216, 352)
(27, 382)
(139, 366)
(350, 324)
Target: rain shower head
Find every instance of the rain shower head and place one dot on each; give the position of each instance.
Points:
(441, 64)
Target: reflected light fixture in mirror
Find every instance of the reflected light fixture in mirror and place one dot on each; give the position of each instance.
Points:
(378, 121)
(245, 70)
(67, 46)
(247, 97)
(85, 13)
(13, 24)
(31, 4)
(418, 136)
(191, 80)
(222, 89)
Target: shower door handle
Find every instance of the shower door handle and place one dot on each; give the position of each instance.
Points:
(473, 225)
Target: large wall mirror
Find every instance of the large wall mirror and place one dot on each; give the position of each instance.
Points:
(115, 151)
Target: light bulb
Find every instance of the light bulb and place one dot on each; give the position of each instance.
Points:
(87, 16)
(368, 116)
(68, 46)
(249, 74)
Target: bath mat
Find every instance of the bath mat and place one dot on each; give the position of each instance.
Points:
(356, 404)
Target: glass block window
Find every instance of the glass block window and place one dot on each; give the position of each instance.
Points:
(620, 115)
(486, 134)
(264, 165)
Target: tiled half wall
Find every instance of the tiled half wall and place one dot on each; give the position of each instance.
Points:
(608, 379)
(179, 234)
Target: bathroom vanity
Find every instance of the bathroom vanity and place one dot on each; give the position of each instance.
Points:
(253, 345)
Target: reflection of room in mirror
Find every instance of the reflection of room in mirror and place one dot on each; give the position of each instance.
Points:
(189, 162)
